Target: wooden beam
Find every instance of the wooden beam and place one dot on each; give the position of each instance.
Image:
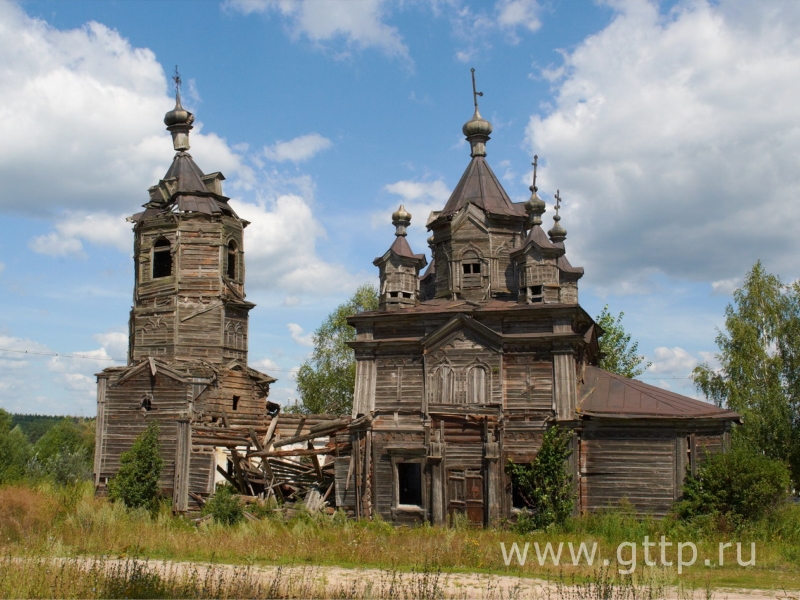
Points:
(315, 460)
(297, 452)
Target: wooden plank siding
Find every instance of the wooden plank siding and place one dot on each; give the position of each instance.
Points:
(626, 465)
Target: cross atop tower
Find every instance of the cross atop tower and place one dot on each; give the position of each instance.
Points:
(177, 79)
(475, 93)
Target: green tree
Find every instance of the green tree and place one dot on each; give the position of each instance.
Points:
(546, 484)
(327, 380)
(734, 487)
(15, 451)
(618, 354)
(136, 483)
(67, 435)
(759, 374)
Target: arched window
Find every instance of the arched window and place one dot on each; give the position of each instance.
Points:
(443, 384)
(162, 258)
(231, 270)
(476, 385)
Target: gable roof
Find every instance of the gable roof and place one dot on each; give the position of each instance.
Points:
(609, 395)
(479, 186)
(461, 322)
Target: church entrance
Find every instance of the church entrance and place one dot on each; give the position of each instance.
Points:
(465, 495)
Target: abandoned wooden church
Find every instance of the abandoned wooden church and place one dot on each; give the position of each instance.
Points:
(461, 369)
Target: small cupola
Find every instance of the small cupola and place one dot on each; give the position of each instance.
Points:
(557, 233)
(477, 129)
(399, 267)
(179, 120)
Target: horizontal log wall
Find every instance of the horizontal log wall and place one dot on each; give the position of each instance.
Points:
(629, 466)
(528, 383)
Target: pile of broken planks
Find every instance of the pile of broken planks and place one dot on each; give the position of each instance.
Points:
(290, 459)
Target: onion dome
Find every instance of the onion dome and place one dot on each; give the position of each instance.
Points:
(535, 206)
(477, 129)
(179, 120)
(557, 233)
(401, 219)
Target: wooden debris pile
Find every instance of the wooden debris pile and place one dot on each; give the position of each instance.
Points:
(290, 460)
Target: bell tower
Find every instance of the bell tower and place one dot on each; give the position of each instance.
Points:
(188, 298)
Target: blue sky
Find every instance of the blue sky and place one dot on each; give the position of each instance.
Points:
(671, 129)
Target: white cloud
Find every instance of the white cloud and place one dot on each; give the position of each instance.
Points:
(280, 243)
(298, 337)
(672, 362)
(81, 122)
(299, 149)
(97, 228)
(518, 13)
(266, 365)
(360, 24)
(115, 343)
(725, 287)
(677, 135)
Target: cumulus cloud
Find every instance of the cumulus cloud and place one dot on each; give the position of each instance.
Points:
(518, 13)
(359, 24)
(672, 362)
(76, 227)
(298, 337)
(281, 249)
(677, 135)
(81, 125)
(299, 149)
(725, 287)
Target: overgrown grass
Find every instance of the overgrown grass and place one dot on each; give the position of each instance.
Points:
(47, 522)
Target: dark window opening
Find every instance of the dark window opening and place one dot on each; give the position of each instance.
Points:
(471, 268)
(536, 293)
(147, 403)
(409, 477)
(236, 403)
(406, 294)
(517, 500)
(231, 266)
(162, 259)
(393, 294)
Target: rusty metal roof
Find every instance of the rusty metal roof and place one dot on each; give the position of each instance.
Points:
(609, 395)
(479, 186)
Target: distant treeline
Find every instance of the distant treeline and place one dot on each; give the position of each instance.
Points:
(35, 426)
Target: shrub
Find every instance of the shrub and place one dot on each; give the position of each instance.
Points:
(545, 484)
(136, 483)
(15, 451)
(66, 436)
(62, 468)
(735, 487)
(224, 506)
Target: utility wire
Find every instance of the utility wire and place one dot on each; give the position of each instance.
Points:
(83, 356)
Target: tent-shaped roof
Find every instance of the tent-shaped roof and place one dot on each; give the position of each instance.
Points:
(609, 395)
(479, 186)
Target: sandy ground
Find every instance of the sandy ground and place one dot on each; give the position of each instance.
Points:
(388, 584)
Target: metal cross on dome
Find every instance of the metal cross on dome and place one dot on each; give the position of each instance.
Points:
(475, 93)
(535, 163)
(558, 200)
(177, 79)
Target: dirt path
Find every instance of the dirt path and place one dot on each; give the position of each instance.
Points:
(327, 581)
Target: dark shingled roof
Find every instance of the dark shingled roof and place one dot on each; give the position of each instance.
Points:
(609, 395)
(479, 186)
(401, 248)
(190, 193)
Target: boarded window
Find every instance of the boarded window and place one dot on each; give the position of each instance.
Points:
(476, 385)
(471, 266)
(443, 384)
(231, 270)
(409, 482)
(162, 259)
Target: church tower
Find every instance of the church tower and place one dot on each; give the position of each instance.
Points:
(475, 232)
(399, 267)
(188, 300)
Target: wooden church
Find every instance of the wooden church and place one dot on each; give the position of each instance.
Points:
(466, 364)
(459, 372)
